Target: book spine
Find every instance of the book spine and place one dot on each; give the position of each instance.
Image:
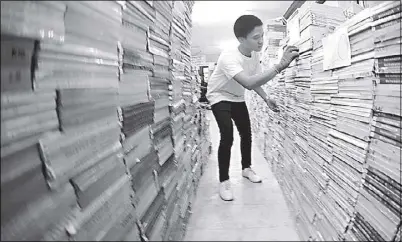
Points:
(28, 120)
(9, 100)
(94, 190)
(389, 61)
(386, 13)
(390, 79)
(376, 174)
(15, 135)
(123, 225)
(387, 133)
(18, 163)
(25, 110)
(85, 215)
(384, 189)
(85, 179)
(370, 189)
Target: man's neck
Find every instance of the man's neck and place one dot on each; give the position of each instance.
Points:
(244, 51)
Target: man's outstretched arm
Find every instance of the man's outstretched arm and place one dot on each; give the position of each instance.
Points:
(254, 81)
(271, 103)
(261, 93)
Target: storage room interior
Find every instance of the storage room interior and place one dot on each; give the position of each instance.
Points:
(117, 163)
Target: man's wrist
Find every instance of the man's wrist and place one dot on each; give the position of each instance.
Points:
(278, 68)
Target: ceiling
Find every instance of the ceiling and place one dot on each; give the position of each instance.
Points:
(213, 22)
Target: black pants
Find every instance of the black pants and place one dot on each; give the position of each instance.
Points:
(224, 112)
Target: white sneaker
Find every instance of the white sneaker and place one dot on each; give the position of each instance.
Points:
(251, 175)
(225, 191)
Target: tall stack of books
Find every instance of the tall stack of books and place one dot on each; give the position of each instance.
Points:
(177, 111)
(352, 115)
(86, 122)
(341, 168)
(159, 46)
(378, 207)
(87, 103)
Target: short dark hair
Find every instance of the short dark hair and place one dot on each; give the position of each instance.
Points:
(245, 24)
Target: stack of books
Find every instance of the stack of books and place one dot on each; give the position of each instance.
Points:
(26, 117)
(104, 217)
(61, 48)
(159, 46)
(177, 114)
(349, 105)
(91, 35)
(275, 31)
(322, 120)
(144, 181)
(336, 124)
(104, 148)
(144, 78)
(378, 207)
(136, 117)
(82, 106)
(16, 20)
(162, 137)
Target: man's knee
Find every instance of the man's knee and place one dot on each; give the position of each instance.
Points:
(245, 134)
(227, 140)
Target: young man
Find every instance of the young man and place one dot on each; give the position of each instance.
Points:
(238, 69)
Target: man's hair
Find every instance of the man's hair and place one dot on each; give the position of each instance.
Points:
(245, 24)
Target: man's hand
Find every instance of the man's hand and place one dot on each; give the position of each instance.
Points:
(290, 53)
(272, 105)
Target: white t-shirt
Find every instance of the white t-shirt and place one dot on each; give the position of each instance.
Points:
(221, 85)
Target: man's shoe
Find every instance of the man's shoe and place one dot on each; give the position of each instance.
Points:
(251, 175)
(225, 191)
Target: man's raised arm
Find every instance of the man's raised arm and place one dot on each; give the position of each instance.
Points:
(251, 82)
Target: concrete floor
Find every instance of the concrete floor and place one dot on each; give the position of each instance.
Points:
(259, 211)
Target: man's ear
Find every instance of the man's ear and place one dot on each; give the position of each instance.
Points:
(241, 39)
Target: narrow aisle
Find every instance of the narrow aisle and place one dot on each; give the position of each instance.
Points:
(259, 211)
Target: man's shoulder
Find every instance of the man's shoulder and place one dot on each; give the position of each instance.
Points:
(228, 53)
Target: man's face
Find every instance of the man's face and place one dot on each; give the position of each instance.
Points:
(254, 40)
